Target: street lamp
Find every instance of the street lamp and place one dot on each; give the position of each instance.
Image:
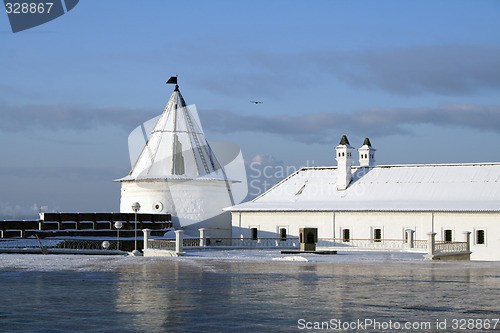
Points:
(135, 207)
(118, 226)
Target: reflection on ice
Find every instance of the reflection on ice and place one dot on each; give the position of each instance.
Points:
(228, 290)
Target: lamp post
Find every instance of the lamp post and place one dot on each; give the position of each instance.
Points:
(118, 226)
(135, 207)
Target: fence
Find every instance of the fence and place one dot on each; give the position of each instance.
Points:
(448, 250)
(450, 247)
(285, 243)
(435, 250)
(160, 244)
(225, 242)
(251, 242)
(288, 243)
(70, 244)
(364, 243)
(69, 224)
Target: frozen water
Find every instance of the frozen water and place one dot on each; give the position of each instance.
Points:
(248, 290)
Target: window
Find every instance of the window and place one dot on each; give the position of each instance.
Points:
(480, 239)
(283, 234)
(346, 235)
(448, 235)
(254, 232)
(377, 235)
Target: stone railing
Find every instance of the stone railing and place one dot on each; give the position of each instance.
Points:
(420, 244)
(255, 243)
(160, 244)
(435, 250)
(363, 243)
(191, 242)
(448, 250)
(177, 246)
(172, 247)
(450, 247)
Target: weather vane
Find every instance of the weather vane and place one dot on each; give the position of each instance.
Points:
(172, 80)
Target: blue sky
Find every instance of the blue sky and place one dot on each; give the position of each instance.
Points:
(420, 78)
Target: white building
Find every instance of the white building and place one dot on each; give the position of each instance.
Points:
(178, 173)
(381, 202)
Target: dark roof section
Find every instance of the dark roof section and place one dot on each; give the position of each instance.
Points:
(367, 142)
(344, 141)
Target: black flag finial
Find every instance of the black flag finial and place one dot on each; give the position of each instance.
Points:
(172, 80)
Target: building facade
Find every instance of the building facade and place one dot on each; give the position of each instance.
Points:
(381, 202)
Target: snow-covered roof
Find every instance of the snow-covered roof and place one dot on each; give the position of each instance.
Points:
(436, 187)
(177, 147)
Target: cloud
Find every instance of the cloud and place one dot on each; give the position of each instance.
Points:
(319, 127)
(438, 69)
(306, 128)
(72, 117)
(62, 173)
(444, 70)
(15, 211)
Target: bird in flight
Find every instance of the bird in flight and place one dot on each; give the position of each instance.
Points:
(256, 102)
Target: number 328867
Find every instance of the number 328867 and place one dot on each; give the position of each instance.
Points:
(28, 8)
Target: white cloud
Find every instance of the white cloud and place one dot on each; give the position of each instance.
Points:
(21, 212)
(319, 127)
(65, 116)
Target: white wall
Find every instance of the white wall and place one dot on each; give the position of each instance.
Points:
(361, 225)
(269, 223)
(193, 204)
(459, 223)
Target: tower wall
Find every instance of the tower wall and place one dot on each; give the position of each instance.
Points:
(193, 204)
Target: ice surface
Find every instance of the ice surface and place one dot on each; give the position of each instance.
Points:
(238, 290)
(106, 263)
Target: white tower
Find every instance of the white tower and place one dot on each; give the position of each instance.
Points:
(344, 163)
(366, 154)
(178, 173)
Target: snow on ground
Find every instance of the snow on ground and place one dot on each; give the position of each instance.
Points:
(271, 255)
(38, 262)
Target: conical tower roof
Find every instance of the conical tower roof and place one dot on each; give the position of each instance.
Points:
(177, 147)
